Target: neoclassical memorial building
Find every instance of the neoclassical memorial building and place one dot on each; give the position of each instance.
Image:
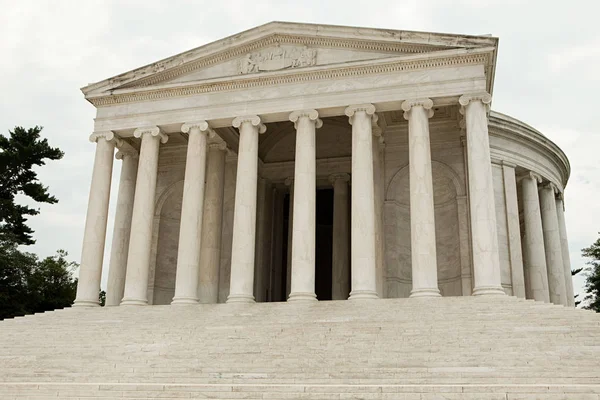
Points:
(296, 162)
(292, 164)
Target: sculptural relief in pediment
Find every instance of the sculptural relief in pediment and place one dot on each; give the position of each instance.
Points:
(278, 58)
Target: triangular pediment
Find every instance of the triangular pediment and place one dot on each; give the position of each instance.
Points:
(281, 46)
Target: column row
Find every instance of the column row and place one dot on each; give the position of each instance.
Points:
(198, 257)
(545, 250)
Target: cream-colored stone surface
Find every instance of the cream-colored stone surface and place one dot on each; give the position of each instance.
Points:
(244, 219)
(534, 259)
(513, 231)
(362, 234)
(227, 235)
(422, 226)
(212, 220)
(94, 236)
(140, 242)
(486, 263)
(122, 227)
(560, 212)
(192, 208)
(340, 260)
(304, 215)
(552, 245)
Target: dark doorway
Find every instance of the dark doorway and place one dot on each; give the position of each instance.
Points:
(324, 244)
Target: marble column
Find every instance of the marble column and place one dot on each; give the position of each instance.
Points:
(552, 245)
(289, 182)
(364, 275)
(94, 235)
(304, 214)
(422, 212)
(140, 241)
(378, 172)
(244, 215)
(122, 227)
(513, 230)
(192, 208)
(534, 258)
(486, 260)
(564, 247)
(340, 259)
(212, 224)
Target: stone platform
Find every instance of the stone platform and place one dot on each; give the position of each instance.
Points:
(411, 349)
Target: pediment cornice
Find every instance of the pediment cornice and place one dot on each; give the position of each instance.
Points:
(386, 43)
(178, 66)
(418, 61)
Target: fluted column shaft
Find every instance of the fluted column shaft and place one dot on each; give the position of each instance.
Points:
(192, 208)
(422, 212)
(564, 246)
(288, 265)
(364, 275)
(122, 227)
(486, 260)
(534, 258)
(305, 203)
(244, 215)
(94, 236)
(552, 245)
(212, 226)
(340, 260)
(140, 241)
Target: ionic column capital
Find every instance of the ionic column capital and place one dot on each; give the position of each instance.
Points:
(312, 115)
(198, 126)
(153, 131)
(222, 146)
(109, 136)
(333, 178)
(368, 108)
(426, 103)
(126, 150)
(550, 185)
(465, 99)
(251, 119)
(531, 175)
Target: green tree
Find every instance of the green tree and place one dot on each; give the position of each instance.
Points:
(27, 284)
(592, 283)
(19, 152)
(15, 269)
(51, 284)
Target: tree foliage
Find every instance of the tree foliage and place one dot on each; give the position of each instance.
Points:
(19, 153)
(592, 284)
(29, 285)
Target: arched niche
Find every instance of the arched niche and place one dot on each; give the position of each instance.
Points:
(168, 218)
(447, 187)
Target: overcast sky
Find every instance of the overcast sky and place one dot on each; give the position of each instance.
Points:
(547, 76)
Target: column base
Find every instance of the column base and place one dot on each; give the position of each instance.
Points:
(363, 295)
(134, 302)
(430, 292)
(240, 298)
(184, 301)
(302, 297)
(86, 303)
(488, 291)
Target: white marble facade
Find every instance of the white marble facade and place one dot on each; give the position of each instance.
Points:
(312, 162)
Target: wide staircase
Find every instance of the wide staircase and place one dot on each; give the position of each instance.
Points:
(407, 349)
